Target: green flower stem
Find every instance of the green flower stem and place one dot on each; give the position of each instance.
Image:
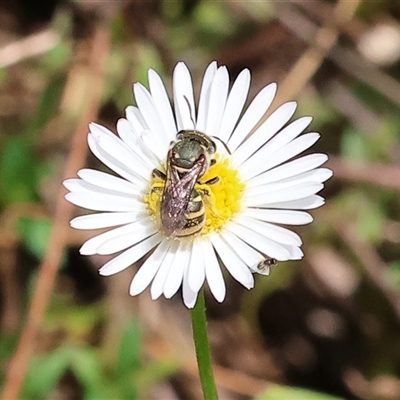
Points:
(199, 326)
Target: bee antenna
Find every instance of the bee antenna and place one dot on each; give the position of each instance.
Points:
(226, 147)
(191, 111)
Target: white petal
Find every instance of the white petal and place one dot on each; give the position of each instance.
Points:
(149, 269)
(287, 217)
(236, 267)
(285, 136)
(292, 168)
(295, 252)
(105, 202)
(183, 97)
(149, 113)
(108, 181)
(234, 105)
(158, 283)
(189, 296)
(307, 203)
(246, 253)
(75, 185)
(196, 271)
(124, 241)
(292, 149)
(144, 134)
(162, 104)
(260, 242)
(274, 232)
(127, 133)
(118, 150)
(318, 175)
(217, 101)
(205, 96)
(214, 275)
(106, 220)
(133, 230)
(136, 143)
(175, 274)
(293, 192)
(130, 256)
(269, 128)
(109, 157)
(157, 146)
(136, 119)
(252, 116)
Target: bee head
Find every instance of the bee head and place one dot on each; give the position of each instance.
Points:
(188, 148)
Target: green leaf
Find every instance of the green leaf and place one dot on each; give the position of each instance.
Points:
(35, 234)
(47, 107)
(45, 372)
(85, 364)
(17, 164)
(277, 392)
(392, 274)
(129, 348)
(354, 145)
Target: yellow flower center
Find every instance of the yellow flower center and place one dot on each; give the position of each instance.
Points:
(222, 200)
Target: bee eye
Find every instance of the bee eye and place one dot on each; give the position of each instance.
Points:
(212, 148)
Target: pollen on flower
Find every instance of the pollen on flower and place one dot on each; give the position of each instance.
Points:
(222, 200)
(153, 198)
(225, 196)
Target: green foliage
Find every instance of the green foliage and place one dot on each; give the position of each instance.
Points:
(125, 379)
(17, 163)
(21, 169)
(76, 321)
(393, 274)
(129, 348)
(214, 18)
(45, 372)
(278, 392)
(35, 234)
(365, 211)
(361, 146)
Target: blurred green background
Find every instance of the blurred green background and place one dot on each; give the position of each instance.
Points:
(326, 327)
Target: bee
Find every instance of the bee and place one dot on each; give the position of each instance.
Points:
(182, 211)
(264, 266)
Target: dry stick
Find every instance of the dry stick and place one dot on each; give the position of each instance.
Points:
(348, 60)
(30, 46)
(375, 174)
(50, 264)
(310, 61)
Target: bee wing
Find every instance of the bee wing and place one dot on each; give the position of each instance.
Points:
(176, 195)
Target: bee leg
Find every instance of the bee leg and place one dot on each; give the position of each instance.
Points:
(212, 181)
(159, 174)
(208, 197)
(213, 162)
(157, 187)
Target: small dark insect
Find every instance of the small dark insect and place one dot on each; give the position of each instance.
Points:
(182, 211)
(264, 266)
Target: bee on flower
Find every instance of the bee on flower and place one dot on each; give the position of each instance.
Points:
(191, 187)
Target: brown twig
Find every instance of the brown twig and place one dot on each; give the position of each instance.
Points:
(50, 264)
(345, 58)
(27, 47)
(375, 174)
(312, 58)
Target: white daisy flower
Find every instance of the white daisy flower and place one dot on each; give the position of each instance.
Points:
(259, 186)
